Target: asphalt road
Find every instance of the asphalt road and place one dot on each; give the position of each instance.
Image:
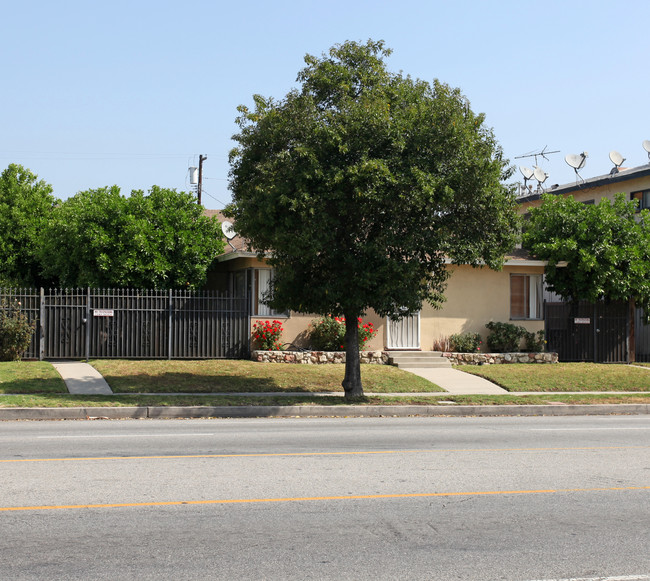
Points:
(516, 499)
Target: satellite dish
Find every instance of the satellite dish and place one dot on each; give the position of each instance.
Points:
(228, 230)
(616, 158)
(646, 146)
(540, 174)
(527, 172)
(577, 162)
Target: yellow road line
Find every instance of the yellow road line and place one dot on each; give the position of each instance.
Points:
(316, 498)
(289, 454)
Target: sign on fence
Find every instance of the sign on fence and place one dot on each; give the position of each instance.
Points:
(103, 312)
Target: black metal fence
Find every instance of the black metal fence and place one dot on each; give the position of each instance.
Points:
(135, 324)
(642, 337)
(588, 332)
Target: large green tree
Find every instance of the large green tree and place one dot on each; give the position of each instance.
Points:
(25, 206)
(101, 238)
(359, 186)
(594, 251)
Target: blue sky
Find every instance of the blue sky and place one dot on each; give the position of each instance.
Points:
(131, 92)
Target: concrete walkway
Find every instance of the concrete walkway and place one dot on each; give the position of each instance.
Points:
(81, 378)
(457, 382)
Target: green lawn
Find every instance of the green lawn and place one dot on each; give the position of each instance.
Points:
(239, 376)
(564, 377)
(41, 386)
(30, 377)
(63, 400)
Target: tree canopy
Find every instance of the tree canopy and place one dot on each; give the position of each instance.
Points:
(25, 205)
(606, 248)
(101, 238)
(361, 184)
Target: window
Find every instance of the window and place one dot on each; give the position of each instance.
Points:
(254, 283)
(262, 282)
(525, 296)
(644, 199)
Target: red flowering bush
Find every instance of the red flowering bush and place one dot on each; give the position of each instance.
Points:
(266, 335)
(328, 333)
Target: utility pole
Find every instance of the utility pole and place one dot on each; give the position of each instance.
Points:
(202, 158)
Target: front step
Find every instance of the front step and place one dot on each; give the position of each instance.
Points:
(418, 359)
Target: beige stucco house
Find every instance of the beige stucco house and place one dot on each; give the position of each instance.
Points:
(475, 296)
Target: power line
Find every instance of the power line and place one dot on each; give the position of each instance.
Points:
(215, 199)
(90, 155)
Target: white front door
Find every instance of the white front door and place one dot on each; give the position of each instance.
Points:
(405, 333)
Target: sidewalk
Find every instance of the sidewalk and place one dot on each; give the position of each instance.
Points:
(81, 378)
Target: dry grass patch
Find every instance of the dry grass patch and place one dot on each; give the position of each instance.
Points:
(240, 376)
(564, 377)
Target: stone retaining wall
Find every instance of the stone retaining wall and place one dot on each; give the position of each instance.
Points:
(499, 358)
(381, 357)
(317, 357)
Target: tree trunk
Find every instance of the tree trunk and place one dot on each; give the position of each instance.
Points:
(352, 380)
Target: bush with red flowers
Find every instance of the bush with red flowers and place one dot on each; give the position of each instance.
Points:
(328, 333)
(266, 335)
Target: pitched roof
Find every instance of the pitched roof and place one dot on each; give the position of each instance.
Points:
(240, 246)
(237, 244)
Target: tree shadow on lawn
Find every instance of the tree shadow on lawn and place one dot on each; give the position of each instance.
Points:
(35, 385)
(178, 382)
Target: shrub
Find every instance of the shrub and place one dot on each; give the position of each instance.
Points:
(534, 342)
(267, 334)
(442, 344)
(15, 331)
(465, 342)
(504, 337)
(328, 333)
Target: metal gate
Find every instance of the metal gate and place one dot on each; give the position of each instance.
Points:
(588, 332)
(404, 333)
(134, 324)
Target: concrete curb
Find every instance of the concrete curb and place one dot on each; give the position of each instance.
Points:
(357, 411)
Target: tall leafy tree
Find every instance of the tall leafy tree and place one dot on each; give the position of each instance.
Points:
(101, 238)
(25, 206)
(594, 252)
(359, 186)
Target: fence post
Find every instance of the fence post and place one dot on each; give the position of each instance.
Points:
(41, 329)
(169, 327)
(87, 324)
